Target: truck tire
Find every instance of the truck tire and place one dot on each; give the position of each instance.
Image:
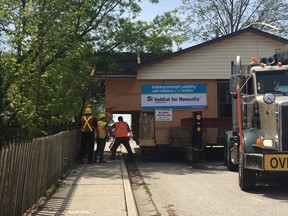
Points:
(230, 165)
(247, 178)
(227, 153)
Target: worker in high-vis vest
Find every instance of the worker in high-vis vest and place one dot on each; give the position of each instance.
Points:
(102, 130)
(122, 136)
(88, 126)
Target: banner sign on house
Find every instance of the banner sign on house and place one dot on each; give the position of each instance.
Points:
(177, 96)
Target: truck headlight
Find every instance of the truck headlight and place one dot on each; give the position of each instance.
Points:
(268, 143)
(265, 143)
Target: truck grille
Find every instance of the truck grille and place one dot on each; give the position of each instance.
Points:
(284, 117)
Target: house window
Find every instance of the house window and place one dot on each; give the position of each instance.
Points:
(224, 106)
(224, 99)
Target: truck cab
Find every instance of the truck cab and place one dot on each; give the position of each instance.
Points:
(258, 140)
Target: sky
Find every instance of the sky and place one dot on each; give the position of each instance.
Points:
(150, 10)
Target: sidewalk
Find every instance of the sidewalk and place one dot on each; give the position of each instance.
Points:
(94, 189)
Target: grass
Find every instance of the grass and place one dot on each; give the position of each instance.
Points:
(147, 190)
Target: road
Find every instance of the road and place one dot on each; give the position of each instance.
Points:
(178, 187)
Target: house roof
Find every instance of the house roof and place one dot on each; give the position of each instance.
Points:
(121, 64)
(127, 65)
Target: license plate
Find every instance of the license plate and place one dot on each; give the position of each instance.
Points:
(276, 162)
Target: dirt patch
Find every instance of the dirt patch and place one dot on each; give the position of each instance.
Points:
(170, 210)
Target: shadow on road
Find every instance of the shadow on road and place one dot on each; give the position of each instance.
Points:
(272, 186)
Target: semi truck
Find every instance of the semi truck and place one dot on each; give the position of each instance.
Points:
(257, 143)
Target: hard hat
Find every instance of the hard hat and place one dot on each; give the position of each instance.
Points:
(101, 116)
(88, 110)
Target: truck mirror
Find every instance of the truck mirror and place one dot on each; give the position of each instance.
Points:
(233, 84)
(238, 78)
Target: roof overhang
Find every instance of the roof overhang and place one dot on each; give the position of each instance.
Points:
(109, 76)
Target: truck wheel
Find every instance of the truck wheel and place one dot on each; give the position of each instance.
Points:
(247, 178)
(226, 145)
(230, 166)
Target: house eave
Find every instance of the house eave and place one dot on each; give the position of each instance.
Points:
(106, 76)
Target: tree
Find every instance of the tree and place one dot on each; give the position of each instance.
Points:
(207, 19)
(155, 37)
(2, 128)
(50, 47)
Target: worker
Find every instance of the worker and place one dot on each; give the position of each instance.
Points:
(122, 131)
(102, 130)
(88, 126)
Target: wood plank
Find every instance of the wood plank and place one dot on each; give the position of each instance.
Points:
(223, 122)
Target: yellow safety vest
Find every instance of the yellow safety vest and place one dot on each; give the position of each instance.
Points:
(87, 123)
(101, 129)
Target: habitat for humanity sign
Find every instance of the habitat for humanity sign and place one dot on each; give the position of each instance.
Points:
(177, 96)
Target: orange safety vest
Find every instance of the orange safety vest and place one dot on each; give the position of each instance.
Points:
(101, 129)
(121, 129)
(87, 123)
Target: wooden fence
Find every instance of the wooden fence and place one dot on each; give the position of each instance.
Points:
(28, 169)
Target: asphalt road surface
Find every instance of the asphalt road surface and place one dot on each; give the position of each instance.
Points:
(177, 187)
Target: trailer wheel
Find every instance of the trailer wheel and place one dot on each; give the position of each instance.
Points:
(230, 165)
(247, 178)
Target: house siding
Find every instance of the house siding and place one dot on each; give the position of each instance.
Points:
(212, 61)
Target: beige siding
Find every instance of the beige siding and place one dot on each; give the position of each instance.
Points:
(213, 61)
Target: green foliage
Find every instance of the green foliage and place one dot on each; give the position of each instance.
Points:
(155, 37)
(207, 19)
(147, 190)
(2, 128)
(50, 48)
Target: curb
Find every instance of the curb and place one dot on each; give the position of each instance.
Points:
(131, 206)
